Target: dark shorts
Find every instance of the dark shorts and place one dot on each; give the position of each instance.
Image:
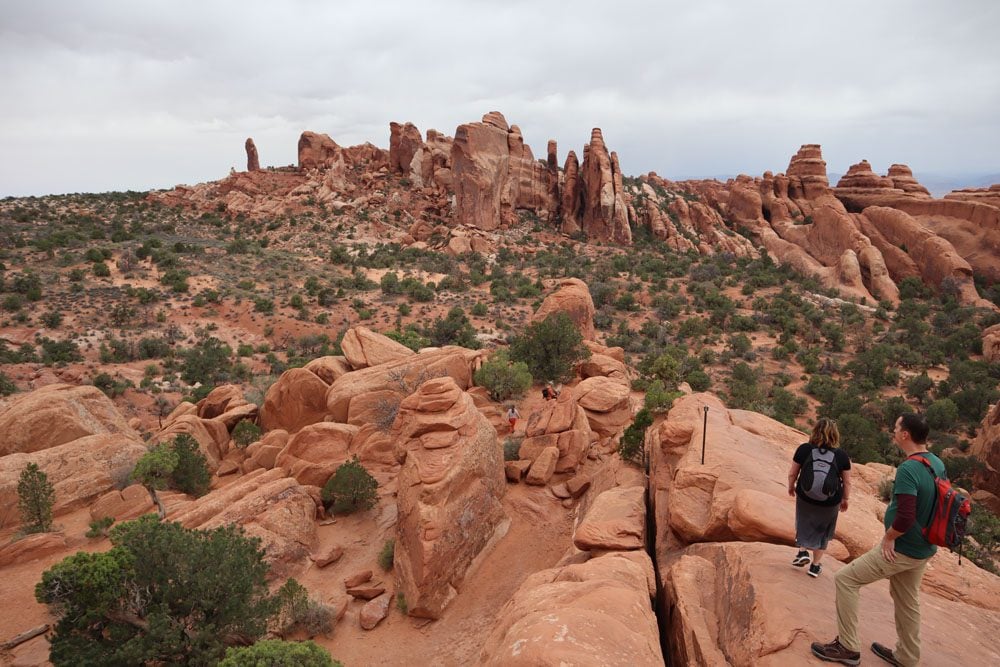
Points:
(814, 524)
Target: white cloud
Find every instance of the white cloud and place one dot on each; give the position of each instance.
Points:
(116, 95)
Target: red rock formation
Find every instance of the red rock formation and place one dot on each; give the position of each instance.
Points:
(404, 144)
(317, 151)
(807, 173)
(986, 448)
(601, 209)
(902, 178)
(450, 487)
(860, 175)
(571, 197)
(573, 298)
(253, 162)
(591, 613)
(313, 454)
(562, 425)
(296, 400)
(606, 403)
(57, 414)
(364, 348)
(990, 195)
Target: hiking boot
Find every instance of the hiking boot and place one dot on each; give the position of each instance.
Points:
(801, 559)
(836, 652)
(885, 653)
(815, 569)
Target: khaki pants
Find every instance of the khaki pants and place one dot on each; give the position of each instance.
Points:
(904, 585)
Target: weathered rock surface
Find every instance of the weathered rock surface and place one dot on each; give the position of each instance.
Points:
(598, 196)
(374, 611)
(253, 161)
(56, 414)
(364, 347)
(572, 297)
(31, 547)
(592, 613)
(329, 368)
(313, 454)
(296, 400)
(616, 521)
(986, 448)
(211, 435)
(561, 424)
(79, 471)
(450, 486)
(606, 403)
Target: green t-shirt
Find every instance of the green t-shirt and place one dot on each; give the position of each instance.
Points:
(913, 478)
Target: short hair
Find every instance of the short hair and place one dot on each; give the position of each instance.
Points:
(915, 424)
(825, 434)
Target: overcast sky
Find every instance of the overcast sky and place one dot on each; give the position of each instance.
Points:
(98, 96)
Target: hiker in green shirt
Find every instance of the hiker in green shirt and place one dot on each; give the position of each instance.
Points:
(901, 556)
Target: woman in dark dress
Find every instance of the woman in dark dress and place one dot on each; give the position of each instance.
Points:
(820, 480)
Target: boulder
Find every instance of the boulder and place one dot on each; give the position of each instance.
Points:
(606, 403)
(211, 435)
(450, 487)
(329, 368)
(57, 414)
(253, 161)
(364, 348)
(296, 400)
(264, 452)
(327, 556)
(543, 466)
(593, 613)
(32, 547)
(357, 579)
(572, 297)
(80, 471)
(374, 611)
(616, 521)
(313, 454)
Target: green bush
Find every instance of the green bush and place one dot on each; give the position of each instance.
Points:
(190, 475)
(279, 653)
(631, 446)
(550, 348)
(386, 555)
(246, 433)
(7, 386)
(99, 527)
(502, 378)
(942, 414)
(35, 497)
(350, 488)
(512, 448)
(101, 270)
(162, 594)
(297, 611)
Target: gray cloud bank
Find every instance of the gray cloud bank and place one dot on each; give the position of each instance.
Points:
(137, 95)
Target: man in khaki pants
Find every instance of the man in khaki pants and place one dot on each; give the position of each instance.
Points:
(901, 556)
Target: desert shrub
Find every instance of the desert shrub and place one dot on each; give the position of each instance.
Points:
(52, 319)
(658, 399)
(99, 527)
(7, 386)
(502, 378)
(453, 329)
(550, 348)
(479, 309)
(885, 489)
(59, 351)
(246, 433)
(386, 554)
(401, 603)
(512, 448)
(279, 653)
(207, 362)
(942, 414)
(297, 611)
(350, 488)
(163, 594)
(190, 475)
(631, 446)
(110, 386)
(35, 497)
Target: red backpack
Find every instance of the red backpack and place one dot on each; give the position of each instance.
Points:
(950, 516)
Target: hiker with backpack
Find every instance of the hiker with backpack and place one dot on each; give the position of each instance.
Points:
(924, 511)
(820, 480)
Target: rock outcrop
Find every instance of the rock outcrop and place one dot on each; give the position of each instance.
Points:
(986, 448)
(57, 414)
(572, 297)
(596, 196)
(364, 347)
(314, 453)
(297, 399)
(606, 403)
(253, 162)
(79, 470)
(450, 486)
(562, 425)
(592, 613)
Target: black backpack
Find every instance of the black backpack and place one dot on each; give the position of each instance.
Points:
(819, 478)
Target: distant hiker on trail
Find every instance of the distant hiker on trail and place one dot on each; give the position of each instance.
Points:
(549, 392)
(512, 416)
(901, 556)
(820, 480)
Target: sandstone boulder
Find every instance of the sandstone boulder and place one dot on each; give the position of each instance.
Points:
(253, 161)
(57, 414)
(450, 486)
(329, 368)
(32, 547)
(592, 613)
(374, 611)
(364, 347)
(616, 521)
(606, 403)
(296, 400)
(264, 453)
(571, 297)
(313, 454)
(211, 435)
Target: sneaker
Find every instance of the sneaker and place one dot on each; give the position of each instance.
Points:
(885, 653)
(836, 652)
(801, 558)
(815, 569)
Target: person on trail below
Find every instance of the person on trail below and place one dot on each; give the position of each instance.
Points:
(512, 416)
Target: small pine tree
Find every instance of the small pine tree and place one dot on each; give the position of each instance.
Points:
(246, 433)
(35, 497)
(350, 488)
(550, 348)
(631, 446)
(154, 470)
(277, 652)
(503, 378)
(191, 473)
